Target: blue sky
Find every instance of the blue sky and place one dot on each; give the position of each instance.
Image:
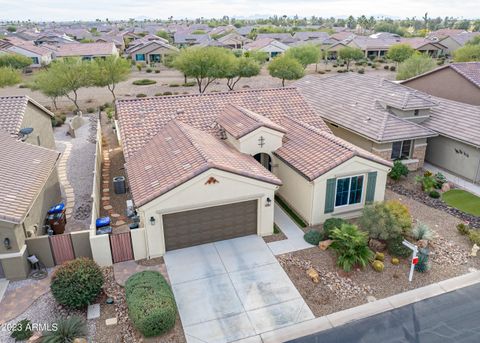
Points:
(124, 9)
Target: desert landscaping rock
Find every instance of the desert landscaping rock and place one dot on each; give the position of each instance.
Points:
(93, 311)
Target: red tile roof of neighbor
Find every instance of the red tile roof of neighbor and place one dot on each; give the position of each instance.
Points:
(239, 121)
(180, 152)
(85, 49)
(12, 110)
(469, 70)
(24, 170)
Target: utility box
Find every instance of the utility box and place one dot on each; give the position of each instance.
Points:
(119, 185)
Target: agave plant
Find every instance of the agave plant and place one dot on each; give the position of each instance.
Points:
(67, 330)
(351, 246)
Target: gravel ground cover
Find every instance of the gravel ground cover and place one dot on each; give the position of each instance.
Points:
(80, 168)
(92, 97)
(338, 290)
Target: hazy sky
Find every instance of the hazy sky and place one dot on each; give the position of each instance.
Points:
(124, 9)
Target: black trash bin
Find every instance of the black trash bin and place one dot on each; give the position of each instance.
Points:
(119, 185)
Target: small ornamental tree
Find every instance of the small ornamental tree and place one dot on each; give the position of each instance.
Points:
(415, 65)
(109, 72)
(349, 54)
(305, 54)
(77, 283)
(243, 67)
(400, 52)
(14, 61)
(380, 223)
(467, 53)
(9, 77)
(285, 68)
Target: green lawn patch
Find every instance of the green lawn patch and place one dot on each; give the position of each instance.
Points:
(463, 201)
(296, 218)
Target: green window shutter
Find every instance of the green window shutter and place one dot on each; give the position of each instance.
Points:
(372, 181)
(330, 196)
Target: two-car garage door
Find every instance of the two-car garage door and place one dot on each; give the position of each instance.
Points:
(205, 225)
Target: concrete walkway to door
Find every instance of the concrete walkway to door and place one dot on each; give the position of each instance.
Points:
(294, 234)
(232, 290)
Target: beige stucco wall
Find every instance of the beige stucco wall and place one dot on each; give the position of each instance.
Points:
(352, 167)
(40, 247)
(15, 265)
(351, 137)
(195, 194)
(296, 190)
(42, 127)
(446, 83)
(441, 152)
(451, 45)
(101, 251)
(249, 144)
(14, 233)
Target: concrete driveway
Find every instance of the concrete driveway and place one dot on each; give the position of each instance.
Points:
(232, 290)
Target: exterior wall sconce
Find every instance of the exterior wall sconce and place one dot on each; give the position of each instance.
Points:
(6, 243)
(152, 220)
(268, 203)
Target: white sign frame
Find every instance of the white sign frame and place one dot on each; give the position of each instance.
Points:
(414, 249)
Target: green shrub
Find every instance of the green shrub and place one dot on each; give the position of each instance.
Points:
(393, 68)
(313, 237)
(189, 84)
(321, 72)
(427, 180)
(395, 261)
(276, 229)
(474, 236)
(463, 228)
(22, 330)
(77, 283)
(386, 220)
(351, 246)
(141, 95)
(398, 170)
(90, 110)
(361, 71)
(396, 248)
(331, 224)
(440, 179)
(174, 85)
(385, 67)
(144, 82)
(158, 94)
(149, 70)
(422, 231)
(380, 256)
(150, 301)
(157, 71)
(434, 194)
(67, 330)
(422, 265)
(167, 93)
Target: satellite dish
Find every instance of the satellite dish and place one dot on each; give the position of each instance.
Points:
(23, 133)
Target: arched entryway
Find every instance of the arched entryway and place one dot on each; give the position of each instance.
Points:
(264, 159)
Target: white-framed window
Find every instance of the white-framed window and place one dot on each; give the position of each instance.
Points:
(401, 150)
(349, 190)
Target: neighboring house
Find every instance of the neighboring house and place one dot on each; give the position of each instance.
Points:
(234, 41)
(377, 115)
(268, 45)
(150, 51)
(29, 188)
(455, 81)
(182, 39)
(311, 35)
(55, 39)
(39, 55)
(18, 112)
(203, 168)
(285, 38)
(454, 40)
(86, 51)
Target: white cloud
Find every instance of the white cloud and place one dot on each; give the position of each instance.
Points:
(124, 9)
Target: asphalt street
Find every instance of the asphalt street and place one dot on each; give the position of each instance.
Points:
(448, 318)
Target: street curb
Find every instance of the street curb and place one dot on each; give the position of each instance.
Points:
(369, 309)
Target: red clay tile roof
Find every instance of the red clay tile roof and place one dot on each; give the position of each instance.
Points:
(313, 152)
(23, 172)
(180, 152)
(239, 121)
(141, 119)
(12, 110)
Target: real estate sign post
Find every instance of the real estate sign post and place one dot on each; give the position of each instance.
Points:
(414, 261)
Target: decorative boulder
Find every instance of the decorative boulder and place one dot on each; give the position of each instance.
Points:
(395, 261)
(379, 256)
(474, 251)
(323, 245)
(446, 187)
(378, 266)
(377, 245)
(313, 274)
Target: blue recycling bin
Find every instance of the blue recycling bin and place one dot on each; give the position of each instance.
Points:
(101, 222)
(56, 208)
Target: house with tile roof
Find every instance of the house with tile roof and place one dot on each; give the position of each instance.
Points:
(268, 45)
(207, 167)
(29, 187)
(150, 50)
(86, 51)
(453, 39)
(375, 114)
(454, 81)
(39, 55)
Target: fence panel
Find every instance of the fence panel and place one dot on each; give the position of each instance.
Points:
(62, 248)
(121, 245)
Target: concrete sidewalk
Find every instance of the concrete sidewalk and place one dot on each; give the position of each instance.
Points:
(369, 309)
(460, 182)
(294, 234)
